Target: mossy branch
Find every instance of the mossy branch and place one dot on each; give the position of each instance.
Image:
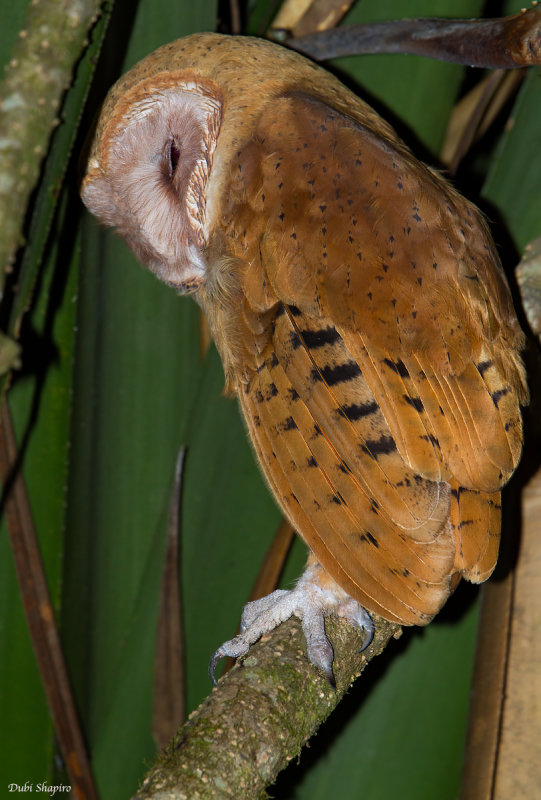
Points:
(260, 716)
(36, 78)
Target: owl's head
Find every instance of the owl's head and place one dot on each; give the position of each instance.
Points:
(160, 157)
(148, 171)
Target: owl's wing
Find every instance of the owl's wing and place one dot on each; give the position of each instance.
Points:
(384, 406)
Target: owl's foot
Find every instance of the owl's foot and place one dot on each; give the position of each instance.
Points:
(315, 596)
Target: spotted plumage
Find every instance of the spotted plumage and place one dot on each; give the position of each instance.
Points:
(356, 300)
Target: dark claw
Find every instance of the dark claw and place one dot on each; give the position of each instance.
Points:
(320, 653)
(369, 635)
(217, 656)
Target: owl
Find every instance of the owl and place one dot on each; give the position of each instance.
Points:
(357, 303)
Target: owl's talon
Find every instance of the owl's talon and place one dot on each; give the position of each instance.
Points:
(320, 652)
(315, 596)
(359, 617)
(216, 656)
(368, 636)
(234, 648)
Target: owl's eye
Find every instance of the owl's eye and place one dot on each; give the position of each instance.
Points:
(172, 155)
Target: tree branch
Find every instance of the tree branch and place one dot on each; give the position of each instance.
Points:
(506, 43)
(259, 717)
(36, 78)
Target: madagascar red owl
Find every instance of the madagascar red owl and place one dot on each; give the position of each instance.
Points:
(359, 308)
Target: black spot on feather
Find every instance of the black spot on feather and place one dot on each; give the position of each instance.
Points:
(397, 366)
(379, 447)
(319, 338)
(295, 340)
(369, 537)
(341, 373)
(498, 394)
(483, 366)
(338, 499)
(431, 438)
(357, 411)
(414, 402)
(289, 424)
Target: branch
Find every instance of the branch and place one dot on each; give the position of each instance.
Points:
(259, 717)
(506, 43)
(528, 275)
(36, 78)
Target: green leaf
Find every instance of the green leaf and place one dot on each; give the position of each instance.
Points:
(415, 94)
(40, 401)
(40, 405)
(514, 178)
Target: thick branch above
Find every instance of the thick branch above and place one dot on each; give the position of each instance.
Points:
(259, 717)
(505, 43)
